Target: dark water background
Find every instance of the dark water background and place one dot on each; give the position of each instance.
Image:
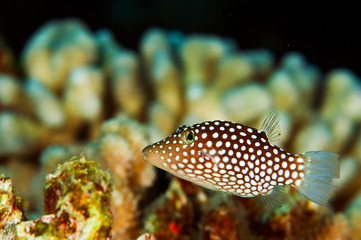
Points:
(327, 34)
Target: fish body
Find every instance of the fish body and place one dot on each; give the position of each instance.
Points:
(237, 159)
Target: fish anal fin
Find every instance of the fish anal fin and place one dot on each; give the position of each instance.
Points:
(271, 126)
(276, 198)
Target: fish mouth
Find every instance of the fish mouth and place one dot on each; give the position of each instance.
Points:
(150, 157)
(144, 155)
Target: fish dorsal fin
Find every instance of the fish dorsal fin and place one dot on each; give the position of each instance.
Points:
(271, 126)
(275, 199)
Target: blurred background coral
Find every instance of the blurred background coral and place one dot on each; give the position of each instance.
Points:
(103, 80)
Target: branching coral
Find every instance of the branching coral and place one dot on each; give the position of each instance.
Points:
(119, 146)
(55, 50)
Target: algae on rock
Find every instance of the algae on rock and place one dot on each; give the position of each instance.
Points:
(77, 205)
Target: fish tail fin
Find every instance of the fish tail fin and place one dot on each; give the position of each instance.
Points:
(320, 169)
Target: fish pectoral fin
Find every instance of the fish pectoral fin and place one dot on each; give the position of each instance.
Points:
(276, 198)
(271, 126)
(216, 158)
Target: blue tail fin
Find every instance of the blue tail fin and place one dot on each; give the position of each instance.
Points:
(320, 169)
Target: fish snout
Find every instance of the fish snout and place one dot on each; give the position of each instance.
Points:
(145, 152)
(151, 155)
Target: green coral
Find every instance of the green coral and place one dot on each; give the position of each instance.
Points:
(11, 211)
(77, 205)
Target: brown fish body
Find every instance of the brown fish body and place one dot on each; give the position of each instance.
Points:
(234, 158)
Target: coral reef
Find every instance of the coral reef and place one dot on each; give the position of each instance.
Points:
(120, 147)
(77, 205)
(11, 212)
(225, 219)
(177, 225)
(82, 93)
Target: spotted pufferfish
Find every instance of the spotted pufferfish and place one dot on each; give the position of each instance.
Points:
(240, 160)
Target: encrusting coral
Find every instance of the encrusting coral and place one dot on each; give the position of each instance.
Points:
(177, 225)
(225, 219)
(77, 205)
(81, 93)
(11, 212)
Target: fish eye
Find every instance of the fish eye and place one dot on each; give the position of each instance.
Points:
(189, 136)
